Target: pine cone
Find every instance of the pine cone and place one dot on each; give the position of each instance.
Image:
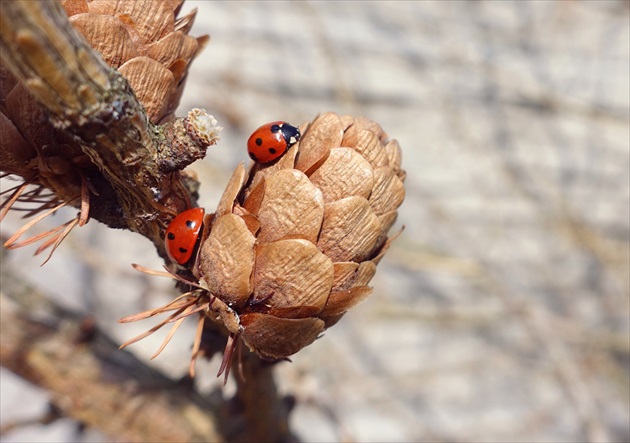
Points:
(145, 42)
(293, 245)
(141, 38)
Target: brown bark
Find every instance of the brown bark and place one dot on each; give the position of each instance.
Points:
(134, 163)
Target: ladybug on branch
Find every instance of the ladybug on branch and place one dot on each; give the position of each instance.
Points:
(182, 235)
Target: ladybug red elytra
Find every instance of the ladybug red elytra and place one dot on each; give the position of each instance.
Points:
(271, 140)
(182, 235)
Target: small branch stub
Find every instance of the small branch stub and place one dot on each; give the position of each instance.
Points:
(202, 127)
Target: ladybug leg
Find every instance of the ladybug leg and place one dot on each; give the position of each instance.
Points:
(254, 302)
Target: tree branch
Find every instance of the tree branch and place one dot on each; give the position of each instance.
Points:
(93, 103)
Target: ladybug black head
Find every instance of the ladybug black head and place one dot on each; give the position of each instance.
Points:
(291, 134)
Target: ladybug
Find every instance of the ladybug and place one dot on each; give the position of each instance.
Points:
(270, 141)
(182, 235)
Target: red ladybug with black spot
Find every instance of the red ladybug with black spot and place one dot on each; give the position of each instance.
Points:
(183, 234)
(271, 140)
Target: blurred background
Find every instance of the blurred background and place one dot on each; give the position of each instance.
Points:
(502, 312)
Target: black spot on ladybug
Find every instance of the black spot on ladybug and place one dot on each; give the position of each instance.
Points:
(253, 156)
(258, 141)
(183, 250)
(272, 151)
(190, 224)
(275, 128)
(171, 236)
